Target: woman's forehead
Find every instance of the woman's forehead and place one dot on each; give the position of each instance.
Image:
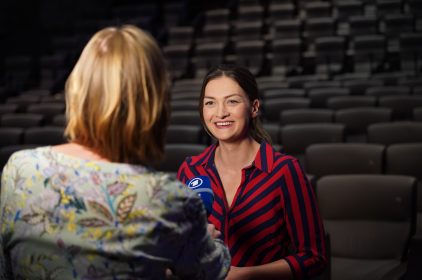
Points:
(223, 86)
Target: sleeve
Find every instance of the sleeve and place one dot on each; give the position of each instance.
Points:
(304, 224)
(7, 185)
(181, 173)
(200, 257)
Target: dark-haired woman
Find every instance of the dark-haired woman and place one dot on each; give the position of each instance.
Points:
(264, 205)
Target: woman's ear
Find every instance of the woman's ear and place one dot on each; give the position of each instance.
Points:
(255, 108)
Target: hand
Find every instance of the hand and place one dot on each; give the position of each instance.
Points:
(213, 231)
(238, 273)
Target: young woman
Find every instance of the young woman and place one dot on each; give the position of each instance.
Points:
(264, 205)
(92, 208)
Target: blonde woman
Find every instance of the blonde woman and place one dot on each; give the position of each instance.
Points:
(92, 208)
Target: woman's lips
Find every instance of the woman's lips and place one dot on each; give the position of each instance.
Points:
(224, 124)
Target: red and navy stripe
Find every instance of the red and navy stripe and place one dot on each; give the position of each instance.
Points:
(273, 216)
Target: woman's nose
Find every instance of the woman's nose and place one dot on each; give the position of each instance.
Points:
(221, 111)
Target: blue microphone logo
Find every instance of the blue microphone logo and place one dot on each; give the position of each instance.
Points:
(195, 183)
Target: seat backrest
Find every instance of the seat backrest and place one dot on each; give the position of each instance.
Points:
(8, 108)
(273, 107)
(250, 54)
(270, 93)
(346, 9)
(183, 105)
(363, 24)
(308, 115)
(417, 114)
(344, 102)
(388, 90)
(185, 118)
(295, 138)
(48, 110)
(273, 129)
(46, 135)
(21, 120)
(319, 96)
(318, 9)
(288, 28)
(217, 16)
(281, 10)
(175, 154)
(395, 24)
(404, 159)
(180, 35)
(359, 86)
(395, 132)
(185, 134)
(10, 136)
(402, 106)
(321, 84)
(344, 158)
(368, 216)
(59, 120)
(319, 27)
(358, 119)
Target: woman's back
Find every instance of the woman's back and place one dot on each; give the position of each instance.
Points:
(67, 218)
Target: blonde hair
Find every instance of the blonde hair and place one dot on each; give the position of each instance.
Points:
(117, 96)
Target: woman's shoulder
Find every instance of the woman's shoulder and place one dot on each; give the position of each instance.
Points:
(281, 158)
(27, 154)
(203, 157)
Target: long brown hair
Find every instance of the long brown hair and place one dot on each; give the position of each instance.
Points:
(246, 80)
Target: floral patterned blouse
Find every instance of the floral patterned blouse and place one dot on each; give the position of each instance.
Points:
(62, 217)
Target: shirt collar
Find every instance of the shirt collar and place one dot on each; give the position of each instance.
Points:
(264, 159)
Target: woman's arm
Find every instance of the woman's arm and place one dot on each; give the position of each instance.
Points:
(201, 256)
(7, 186)
(279, 270)
(304, 227)
(303, 222)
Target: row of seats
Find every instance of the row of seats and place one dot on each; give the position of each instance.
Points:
(280, 89)
(29, 120)
(296, 139)
(54, 66)
(356, 83)
(329, 55)
(293, 139)
(356, 112)
(318, 36)
(326, 108)
(322, 159)
(46, 135)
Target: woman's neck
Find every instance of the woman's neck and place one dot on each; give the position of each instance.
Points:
(236, 155)
(80, 151)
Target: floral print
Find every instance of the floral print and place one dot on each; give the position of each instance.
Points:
(62, 217)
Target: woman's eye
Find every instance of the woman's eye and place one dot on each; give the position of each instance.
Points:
(233, 101)
(208, 103)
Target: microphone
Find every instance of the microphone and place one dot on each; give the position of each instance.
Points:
(202, 186)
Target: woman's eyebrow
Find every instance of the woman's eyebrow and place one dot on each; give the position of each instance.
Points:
(225, 97)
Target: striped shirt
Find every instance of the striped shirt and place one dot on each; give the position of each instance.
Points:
(273, 216)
